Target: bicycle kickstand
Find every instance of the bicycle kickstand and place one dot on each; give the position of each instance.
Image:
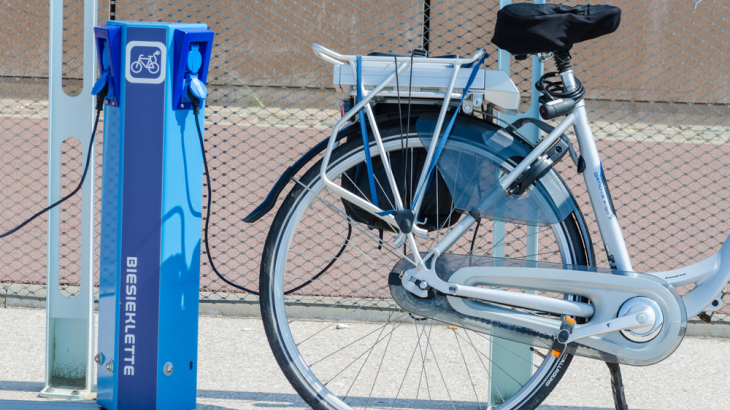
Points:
(617, 385)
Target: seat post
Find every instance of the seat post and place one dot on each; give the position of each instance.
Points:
(565, 69)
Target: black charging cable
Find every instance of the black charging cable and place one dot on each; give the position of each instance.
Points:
(99, 107)
(195, 101)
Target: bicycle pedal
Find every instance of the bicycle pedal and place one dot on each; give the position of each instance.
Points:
(566, 329)
(706, 317)
(568, 324)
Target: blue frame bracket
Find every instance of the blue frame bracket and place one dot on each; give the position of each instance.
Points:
(187, 65)
(108, 47)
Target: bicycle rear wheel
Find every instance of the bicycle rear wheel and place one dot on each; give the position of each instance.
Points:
(389, 357)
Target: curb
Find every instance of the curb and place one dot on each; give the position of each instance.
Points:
(242, 305)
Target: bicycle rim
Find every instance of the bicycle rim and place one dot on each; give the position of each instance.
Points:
(387, 357)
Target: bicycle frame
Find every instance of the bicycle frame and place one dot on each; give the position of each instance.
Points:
(710, 275)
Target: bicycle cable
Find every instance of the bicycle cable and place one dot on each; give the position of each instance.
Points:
(99, 107)
(207, 221)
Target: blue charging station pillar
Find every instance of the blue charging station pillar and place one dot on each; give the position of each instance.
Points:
(151, 214)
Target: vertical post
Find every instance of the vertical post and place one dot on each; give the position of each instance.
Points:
(70, 322)
(149, 280)
(511, 363)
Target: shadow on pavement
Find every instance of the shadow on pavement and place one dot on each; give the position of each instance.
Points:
(21, 386)
(45, 405)
(259, 400)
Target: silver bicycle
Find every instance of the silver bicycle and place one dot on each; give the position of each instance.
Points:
(434, 258)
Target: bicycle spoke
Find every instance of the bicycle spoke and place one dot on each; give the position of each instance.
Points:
(323, 256)
(348, 345)
(380, 365)
(370, 351)
(408, 367)
(352, 312)
(489, 374)
(423, 367)
(443, 380)
(467, 369)
(355, 246)
(363, 353)
(506, 349)
(495, 364)
(385, 244)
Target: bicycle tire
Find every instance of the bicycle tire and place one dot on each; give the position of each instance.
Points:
(274, 308)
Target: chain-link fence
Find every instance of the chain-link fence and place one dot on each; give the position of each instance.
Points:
(657, 92)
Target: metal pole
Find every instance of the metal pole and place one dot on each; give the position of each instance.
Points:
(70, 321)
(505, 355)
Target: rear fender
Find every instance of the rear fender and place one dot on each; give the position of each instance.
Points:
(510, 146)
(518, 147)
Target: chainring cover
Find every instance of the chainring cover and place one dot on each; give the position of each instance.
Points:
(606, 289)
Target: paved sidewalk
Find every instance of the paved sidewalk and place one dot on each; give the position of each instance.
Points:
(237, 371)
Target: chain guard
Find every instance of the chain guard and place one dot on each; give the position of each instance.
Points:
(506, 323)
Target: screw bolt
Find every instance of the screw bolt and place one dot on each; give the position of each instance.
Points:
(110, 365)
(167, 369)
(98, 358)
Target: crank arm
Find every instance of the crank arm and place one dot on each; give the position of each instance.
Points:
(640, 321)
(609, 293)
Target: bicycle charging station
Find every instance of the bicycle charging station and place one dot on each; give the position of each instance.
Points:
(151, 214)
(150, 255)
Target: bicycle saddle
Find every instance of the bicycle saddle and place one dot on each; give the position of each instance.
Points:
(526, 28)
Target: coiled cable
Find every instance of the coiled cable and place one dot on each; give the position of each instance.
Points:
(555, 90)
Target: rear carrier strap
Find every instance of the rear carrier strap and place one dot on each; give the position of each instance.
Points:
(364, 132)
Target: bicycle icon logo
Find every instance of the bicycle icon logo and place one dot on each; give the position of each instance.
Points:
(150, 63)
(146, 62)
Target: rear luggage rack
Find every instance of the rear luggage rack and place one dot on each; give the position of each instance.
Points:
(437, 80)
(430, 81)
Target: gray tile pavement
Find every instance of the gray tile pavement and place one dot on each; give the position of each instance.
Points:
(237, 371)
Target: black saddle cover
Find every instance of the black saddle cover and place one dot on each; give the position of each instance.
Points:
(526, 28)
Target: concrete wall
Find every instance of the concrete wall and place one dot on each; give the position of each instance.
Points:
(663, 51)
